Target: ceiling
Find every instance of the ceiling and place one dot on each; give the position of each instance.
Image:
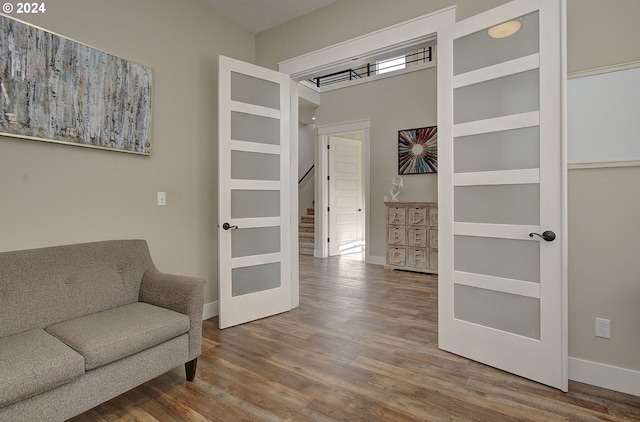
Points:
(260, 15)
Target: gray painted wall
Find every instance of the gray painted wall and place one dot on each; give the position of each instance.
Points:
(56, 194)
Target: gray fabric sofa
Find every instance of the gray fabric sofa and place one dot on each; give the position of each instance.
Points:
(81, 324)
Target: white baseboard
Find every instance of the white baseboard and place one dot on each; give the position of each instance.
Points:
(377, 260)
(605, 376)
(209, 310)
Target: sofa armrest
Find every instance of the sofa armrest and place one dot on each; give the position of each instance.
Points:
(181, 294)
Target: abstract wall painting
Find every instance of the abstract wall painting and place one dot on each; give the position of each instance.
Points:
(418, 150)
(58, 90)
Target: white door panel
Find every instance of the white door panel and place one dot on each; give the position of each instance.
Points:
(345, 196)
(255, 255)
(502, 291)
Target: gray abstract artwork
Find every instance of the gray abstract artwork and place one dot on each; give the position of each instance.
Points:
(56, 89)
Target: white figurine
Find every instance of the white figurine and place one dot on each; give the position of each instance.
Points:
(396, 188)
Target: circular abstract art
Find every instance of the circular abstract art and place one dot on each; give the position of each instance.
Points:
(418, 150)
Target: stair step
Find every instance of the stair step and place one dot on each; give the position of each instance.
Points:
(306, 228)
(306, 251)
(306, 236)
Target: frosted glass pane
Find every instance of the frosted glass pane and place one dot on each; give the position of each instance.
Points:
(254, 166)
(256, 241)
(254, 279)
(255, 203)
(252, 128)
(503, 311)
(498, 204)
(247, 89)
(479, 50)
(505, 150)
(507, 258)
(513, 94)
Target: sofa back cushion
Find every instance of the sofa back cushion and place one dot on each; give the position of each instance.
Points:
(41, 287)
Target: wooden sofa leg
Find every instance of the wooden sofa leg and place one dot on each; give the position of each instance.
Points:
(190, 369)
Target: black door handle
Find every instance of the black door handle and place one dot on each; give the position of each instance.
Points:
(548, 235)
(228, 226)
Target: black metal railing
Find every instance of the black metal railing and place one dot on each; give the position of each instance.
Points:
(306, 174)
(343, 75)
(424, 55)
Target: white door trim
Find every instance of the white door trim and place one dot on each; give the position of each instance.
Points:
(293, 194)
(386, 39)
(321, 249)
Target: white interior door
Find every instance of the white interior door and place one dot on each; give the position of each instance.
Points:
(502, 288)
(255, 254)
(345, 196)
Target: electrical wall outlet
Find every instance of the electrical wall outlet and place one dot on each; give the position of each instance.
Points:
(603, 328)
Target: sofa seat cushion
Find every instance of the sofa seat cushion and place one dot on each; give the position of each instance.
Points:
(34, 361)
(114, 334)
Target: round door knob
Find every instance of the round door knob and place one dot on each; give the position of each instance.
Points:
(548, 235)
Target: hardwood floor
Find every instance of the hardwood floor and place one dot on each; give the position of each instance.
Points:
(362, 346)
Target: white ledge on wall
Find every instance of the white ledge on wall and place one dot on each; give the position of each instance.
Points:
(604, 69)
(603, 164)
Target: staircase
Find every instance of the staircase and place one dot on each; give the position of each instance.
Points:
(306, 237)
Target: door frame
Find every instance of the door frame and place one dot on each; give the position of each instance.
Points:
(391, 38)
(321, 249)
(387, 39)
(294, 238)
(396, 36)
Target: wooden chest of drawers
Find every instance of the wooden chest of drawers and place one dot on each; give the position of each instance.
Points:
(412, 236)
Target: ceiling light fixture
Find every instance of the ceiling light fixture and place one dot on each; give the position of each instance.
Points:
(505, 29)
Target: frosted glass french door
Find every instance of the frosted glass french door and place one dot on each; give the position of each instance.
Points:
(502, 282)
(254, 192)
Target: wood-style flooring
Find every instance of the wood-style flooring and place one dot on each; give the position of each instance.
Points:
(362, 346)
